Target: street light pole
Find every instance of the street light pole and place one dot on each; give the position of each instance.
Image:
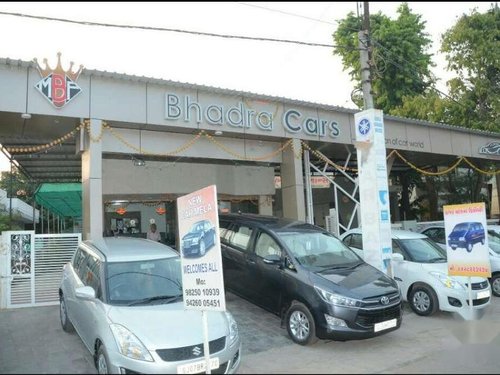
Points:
(364, 46)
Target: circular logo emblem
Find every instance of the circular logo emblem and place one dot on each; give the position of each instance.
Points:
(384, 300)
(364, 126)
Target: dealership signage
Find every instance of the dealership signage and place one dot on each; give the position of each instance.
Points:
(57, 85)
(241, 116)
(373, 189)
(467, 240)
(201, 260)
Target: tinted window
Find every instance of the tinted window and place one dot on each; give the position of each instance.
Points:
(79, 262)
(223, 230)
(494, 241)
(266, 245)
(239, 236)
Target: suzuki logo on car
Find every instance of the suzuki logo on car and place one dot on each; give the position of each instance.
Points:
(384, 300)
(196, 351)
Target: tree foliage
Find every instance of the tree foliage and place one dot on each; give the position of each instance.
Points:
(17, 185)
(400, 62)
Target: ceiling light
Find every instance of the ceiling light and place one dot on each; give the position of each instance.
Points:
(26, 116)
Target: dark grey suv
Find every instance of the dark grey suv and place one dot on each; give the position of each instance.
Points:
(317, 285)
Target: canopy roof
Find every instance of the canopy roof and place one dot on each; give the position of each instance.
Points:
(64, 199)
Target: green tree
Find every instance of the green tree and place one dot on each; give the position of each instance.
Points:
(17, 185)
(401, 64)
(472, 48)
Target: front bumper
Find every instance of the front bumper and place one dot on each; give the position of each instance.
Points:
(457, 300)
(359, 323)
(229, 362)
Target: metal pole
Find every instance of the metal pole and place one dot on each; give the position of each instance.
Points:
(41, 218)
(364, 44)
(309, 196)
(206, 346)
(10, 194)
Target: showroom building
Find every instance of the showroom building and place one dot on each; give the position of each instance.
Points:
(137, 143)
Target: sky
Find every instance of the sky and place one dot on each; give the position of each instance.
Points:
(308, 73)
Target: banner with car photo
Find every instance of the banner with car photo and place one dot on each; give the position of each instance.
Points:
(466, 240)
(201, 260)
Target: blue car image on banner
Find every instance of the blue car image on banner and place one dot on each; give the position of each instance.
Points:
(200, 238)
(466, 235)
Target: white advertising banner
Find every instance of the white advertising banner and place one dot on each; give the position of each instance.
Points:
(373, 189)
(201, 260)
(467, 240)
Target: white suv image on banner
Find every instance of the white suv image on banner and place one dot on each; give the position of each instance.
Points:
(420, 267)
(123, 296)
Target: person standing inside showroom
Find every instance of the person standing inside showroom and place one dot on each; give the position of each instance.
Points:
(153, 233)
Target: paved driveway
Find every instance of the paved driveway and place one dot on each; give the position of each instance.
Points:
(32, 341)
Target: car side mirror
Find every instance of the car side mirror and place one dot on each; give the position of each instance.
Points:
(272, 259)
(85, 292)
(397, 257)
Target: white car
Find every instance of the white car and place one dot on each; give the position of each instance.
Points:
(123, 296)
(437, 234)
(421, 270)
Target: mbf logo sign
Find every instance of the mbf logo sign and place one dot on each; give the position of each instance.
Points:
(57, 85)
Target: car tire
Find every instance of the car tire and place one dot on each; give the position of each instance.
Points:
(495, 285)
(202, 247)
(300, 324)
(469, 247)
(482, 241)
(423, 300)
(66, 324)
(102, 362)
(453, 247)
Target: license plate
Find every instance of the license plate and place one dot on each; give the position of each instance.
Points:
(385, 325)
(483, 294)
(196, 367)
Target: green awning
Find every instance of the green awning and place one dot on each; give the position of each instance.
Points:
(65, 199)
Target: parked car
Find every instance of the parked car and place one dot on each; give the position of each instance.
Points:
(420, 267)
(200, 238)
(123, 296)
(466, 235)
(437, 234)
(318, 286)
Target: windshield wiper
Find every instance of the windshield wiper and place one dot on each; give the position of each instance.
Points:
(328, 268)
(168, 299)
(434, 260)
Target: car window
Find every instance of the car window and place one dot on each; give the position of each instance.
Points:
(266, 245)
(436, 234)
(396, 249)
(318, 250)
(128, 282)
(423, 250)
(223, 230)
(79, 262)
(240, 237)
(494, 241)
(91, 274)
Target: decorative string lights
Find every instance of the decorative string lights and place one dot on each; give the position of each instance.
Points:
(289, 143)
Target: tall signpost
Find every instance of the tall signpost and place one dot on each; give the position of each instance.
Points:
(372, 168)
(201, 260)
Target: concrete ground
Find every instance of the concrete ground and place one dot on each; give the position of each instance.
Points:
(32, 341)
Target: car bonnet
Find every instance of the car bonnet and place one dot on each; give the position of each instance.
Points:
(167, 326)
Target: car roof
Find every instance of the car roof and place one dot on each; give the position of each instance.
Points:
(129, 249)
(272, 223)
(395, 234)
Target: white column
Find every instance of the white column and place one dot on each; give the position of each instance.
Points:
(292, 183)
(92, 183)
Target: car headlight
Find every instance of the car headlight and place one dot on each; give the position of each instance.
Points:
(129, 345)
(233, 328)
(447, 281)
(336, 299)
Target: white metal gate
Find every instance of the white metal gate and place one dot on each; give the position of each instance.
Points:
(33, 265)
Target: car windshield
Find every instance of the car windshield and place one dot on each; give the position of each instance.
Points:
(144, 281)
(494, 241)
(197, 227)
(460, 227)
(423, 250)
(319, 250)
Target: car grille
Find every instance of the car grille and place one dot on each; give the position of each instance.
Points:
(368, 318)
(190, 352)
(478, 286)
(478, 302)
(376, 303)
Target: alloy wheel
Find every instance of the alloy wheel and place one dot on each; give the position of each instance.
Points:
(102, 365)
(299, 325)
(421, 301)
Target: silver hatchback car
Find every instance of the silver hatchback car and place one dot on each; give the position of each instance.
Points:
(123, 296)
